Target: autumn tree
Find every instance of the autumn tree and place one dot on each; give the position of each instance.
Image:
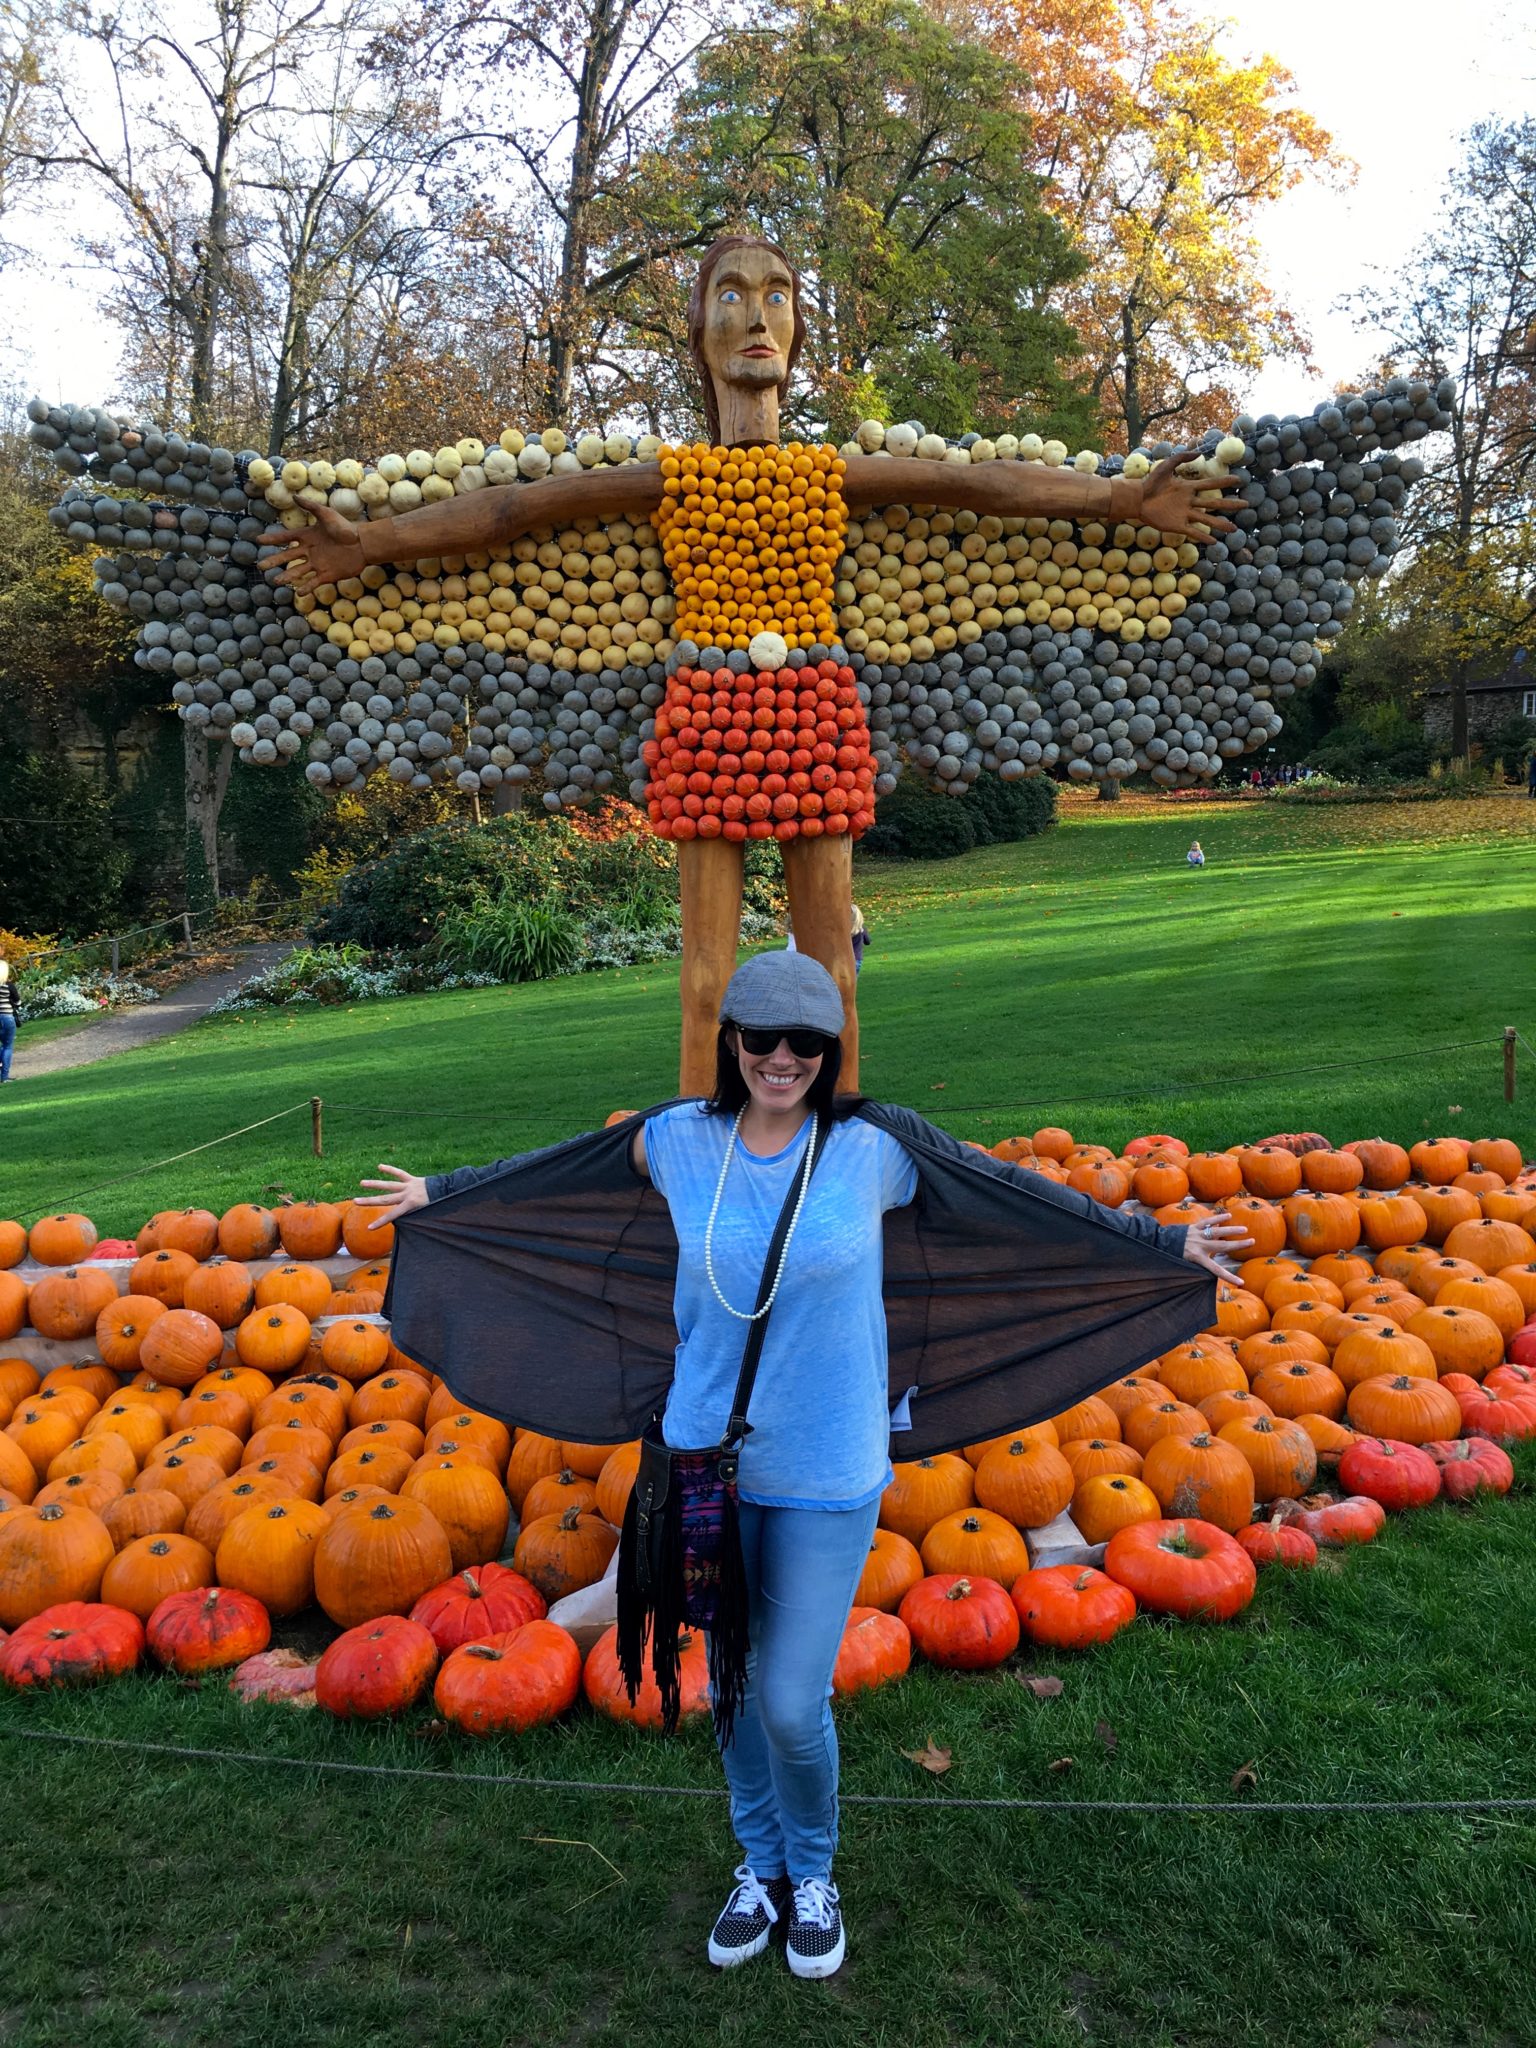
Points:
(1160, 153)
(29, 35)
(886, 149)
(1466, 311)
(588, 84)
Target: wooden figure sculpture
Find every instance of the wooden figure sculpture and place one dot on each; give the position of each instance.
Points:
(753, 637)
(750, 741)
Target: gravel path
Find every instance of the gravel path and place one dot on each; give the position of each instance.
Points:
(125, 1029)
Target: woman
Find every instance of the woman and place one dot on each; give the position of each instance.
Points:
(10, 1018)
(575, 1290)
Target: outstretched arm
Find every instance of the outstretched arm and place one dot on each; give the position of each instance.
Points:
(1194, 507)
(473, 523)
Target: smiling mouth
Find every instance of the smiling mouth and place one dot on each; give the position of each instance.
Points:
(758, 349)
(780, 1081)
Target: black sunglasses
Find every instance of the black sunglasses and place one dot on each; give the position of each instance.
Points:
(805, 1045)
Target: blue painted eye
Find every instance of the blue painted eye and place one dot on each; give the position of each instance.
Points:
(777, 298)
(729, 297)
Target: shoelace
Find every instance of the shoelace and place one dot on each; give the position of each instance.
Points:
(816, 1902)
(750, 1892)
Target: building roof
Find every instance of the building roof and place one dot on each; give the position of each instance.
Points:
(1520, 675)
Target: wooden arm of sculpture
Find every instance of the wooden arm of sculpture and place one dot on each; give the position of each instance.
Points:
(1191, 506)
(482, 520)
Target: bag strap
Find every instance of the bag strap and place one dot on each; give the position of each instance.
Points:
(738, 1427)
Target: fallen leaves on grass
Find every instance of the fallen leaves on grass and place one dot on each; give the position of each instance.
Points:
(1107, 1736)
(1245, 1778)
(930, 1758)
(1042, 1688)
(1060, 1765)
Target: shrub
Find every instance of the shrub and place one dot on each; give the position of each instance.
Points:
(916, 823)
(604, 864)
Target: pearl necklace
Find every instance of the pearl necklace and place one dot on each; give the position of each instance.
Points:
(740, 1314)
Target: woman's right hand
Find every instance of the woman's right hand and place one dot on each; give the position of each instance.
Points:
(402, 1193)
(323, 553)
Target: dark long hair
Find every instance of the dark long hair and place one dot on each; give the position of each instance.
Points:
(698, 307)
(732, 1093)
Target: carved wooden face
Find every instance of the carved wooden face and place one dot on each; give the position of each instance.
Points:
(749, 320)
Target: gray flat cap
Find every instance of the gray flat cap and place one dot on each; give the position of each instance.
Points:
(788, 989)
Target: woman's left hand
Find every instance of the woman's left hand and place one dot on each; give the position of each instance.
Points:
(1211, 1244)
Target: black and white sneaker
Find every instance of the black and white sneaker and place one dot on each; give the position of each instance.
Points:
(816, 1945)
(746, 1924)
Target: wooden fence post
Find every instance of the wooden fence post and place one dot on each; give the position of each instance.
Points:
(316, 1126)
(117, 958)
(1509, 1062)
(186, 925)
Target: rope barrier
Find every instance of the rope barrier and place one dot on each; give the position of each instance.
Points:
(51, 1208)
(957, 1802)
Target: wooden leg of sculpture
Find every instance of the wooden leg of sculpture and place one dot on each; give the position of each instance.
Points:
(818, 874)
(709, 882)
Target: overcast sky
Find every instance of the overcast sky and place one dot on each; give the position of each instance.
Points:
(1396, 86)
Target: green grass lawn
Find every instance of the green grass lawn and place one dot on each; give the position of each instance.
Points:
(154, 1900)
(1086, 977)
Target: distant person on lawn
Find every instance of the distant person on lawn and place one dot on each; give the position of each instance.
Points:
(1196, 855)
(859, 936)
(10, 1018)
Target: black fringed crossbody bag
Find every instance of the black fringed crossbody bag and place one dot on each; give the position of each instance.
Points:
(680, 1562)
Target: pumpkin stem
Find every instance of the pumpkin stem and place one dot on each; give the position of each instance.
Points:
(570, 1518)
(960, 1590)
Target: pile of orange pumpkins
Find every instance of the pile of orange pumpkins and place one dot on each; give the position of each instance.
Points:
(239, 1440)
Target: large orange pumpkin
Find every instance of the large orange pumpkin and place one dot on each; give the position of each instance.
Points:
(163, 1275)
(248, 1231)
(180, 1346)
(65, 1304)
(310, 1230)
(62, 1240)
(1462, 1339)
(94, 1490)
(1192, 1371)
(13, 1304)
(49, 1554)
(222, 1290)
(510, 1682)
(146, 1569)
(892, 1568)
(563, 1553)
(1278, 1452)
(1300, 1386)
(193, 1231)
(356, 1351)
(876, 1648)
(616, 1482)
(207, 1629)
(1204, 1476)
(208, 1518)
(1026, 1481)
(1382, 1348)
(274, 1338)
(269, 1550)
(1405, 1409)
(533, 1457)
(472, 1506)
(1150, 1423)
(141, 1513)
(379, 1557)
(391, 1397)
(977, 1544)
(1488, 1244)
(923, 1489)
(306, 1288)
(1111, 1501)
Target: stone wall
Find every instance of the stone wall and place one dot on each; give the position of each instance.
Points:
(1486, 711)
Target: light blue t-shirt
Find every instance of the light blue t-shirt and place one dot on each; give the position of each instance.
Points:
(819, 1414)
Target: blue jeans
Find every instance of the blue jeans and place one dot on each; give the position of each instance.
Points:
(7, 1040)
(803, 1565)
